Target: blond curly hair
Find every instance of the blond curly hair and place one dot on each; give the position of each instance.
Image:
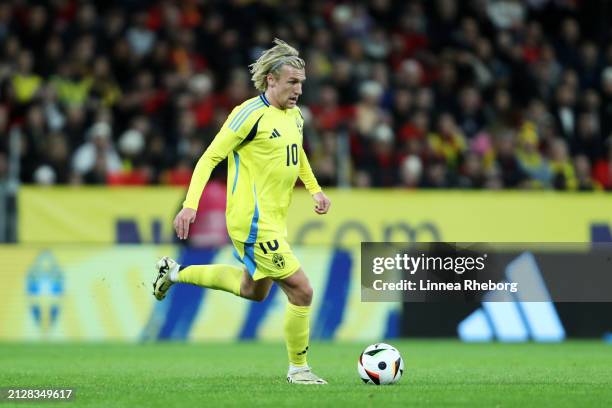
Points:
(271, 61)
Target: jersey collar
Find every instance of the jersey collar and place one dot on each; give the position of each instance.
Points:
(264, 99)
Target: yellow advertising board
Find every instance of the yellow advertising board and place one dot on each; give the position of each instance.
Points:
(383, 215)
(101, 215)
(93, 214)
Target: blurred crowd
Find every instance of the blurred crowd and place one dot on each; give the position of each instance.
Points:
(474, 94)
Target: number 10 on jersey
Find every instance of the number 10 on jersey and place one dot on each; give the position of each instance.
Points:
(292, 154)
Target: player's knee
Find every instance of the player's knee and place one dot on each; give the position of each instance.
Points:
(259, 296)
(308, 293)
(250, 295)
(250, 292)
(303, 296)
(247, 291)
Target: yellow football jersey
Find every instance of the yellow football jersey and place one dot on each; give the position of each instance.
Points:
(263, 145)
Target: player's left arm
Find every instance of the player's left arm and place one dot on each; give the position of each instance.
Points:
(322, 202)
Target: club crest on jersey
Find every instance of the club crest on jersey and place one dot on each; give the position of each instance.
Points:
(279, 261)
(300, 126)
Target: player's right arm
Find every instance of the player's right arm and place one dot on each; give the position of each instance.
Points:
(228, 138)
(224, 142)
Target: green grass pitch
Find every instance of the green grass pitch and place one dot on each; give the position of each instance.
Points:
(438, 373)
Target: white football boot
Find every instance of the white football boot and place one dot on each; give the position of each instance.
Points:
(162, 283)
(305, 376)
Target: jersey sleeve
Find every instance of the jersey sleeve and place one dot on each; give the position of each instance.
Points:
(306, 174)
(228, 138)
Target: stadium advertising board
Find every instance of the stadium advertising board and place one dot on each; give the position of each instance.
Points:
(97, 293)
(107, 216)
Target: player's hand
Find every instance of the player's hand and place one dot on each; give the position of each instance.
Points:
(183, 219)
(322, 203)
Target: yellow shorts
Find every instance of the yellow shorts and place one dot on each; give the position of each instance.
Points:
(273, 259)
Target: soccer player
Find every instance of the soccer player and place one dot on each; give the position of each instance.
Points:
(262, 139)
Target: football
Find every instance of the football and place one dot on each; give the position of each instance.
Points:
(380, 364)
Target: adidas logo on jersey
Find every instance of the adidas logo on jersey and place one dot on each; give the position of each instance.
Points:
(275, 134)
